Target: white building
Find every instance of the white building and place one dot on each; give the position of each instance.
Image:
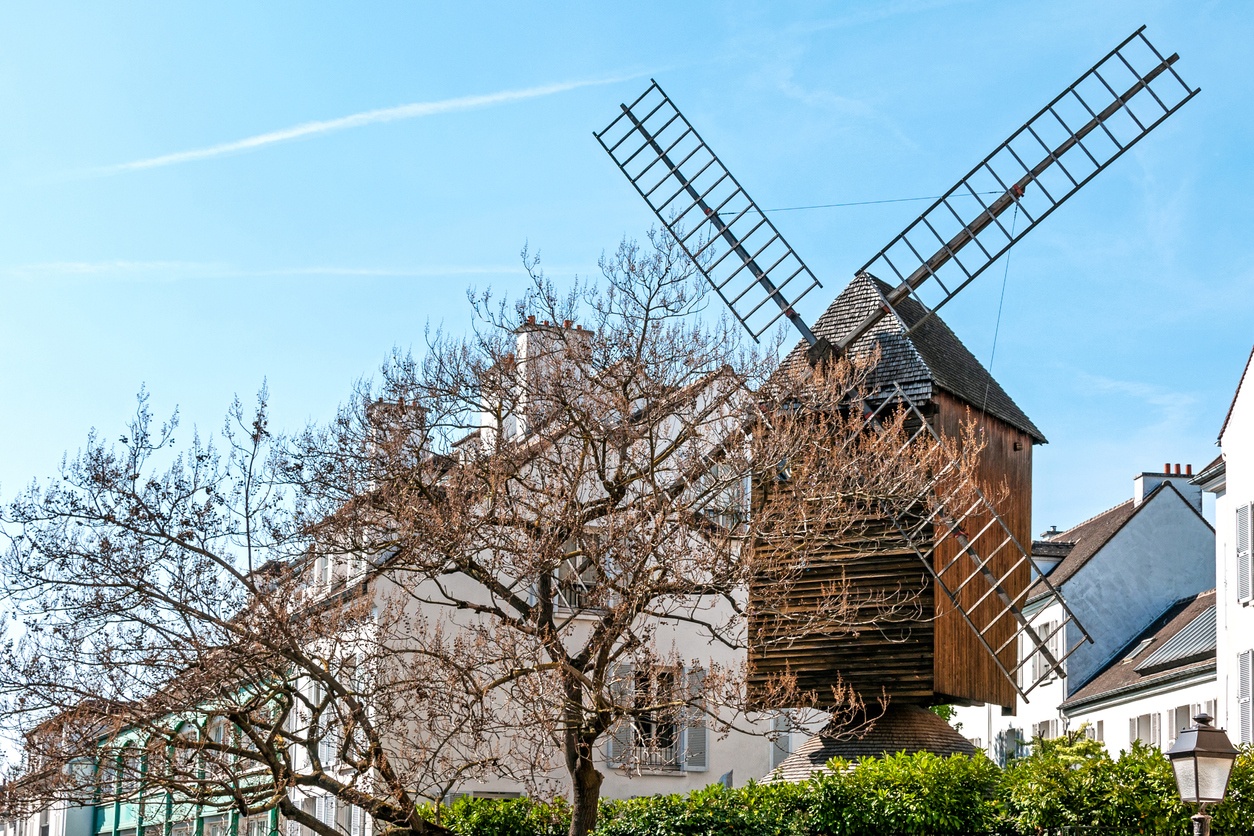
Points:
(1157, 684)
(1119, 572)
(1231, 478)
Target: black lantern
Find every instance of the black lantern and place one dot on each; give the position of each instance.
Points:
(1202, 759)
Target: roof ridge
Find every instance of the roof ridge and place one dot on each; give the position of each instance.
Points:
(1096, 516)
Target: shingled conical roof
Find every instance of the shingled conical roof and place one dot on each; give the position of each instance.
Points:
(902, 728)
(930, 358)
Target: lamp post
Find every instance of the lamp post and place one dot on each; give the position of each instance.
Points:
(1202, 760)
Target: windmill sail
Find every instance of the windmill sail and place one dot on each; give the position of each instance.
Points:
(701, 204)
(977, 563)
(1068, 142)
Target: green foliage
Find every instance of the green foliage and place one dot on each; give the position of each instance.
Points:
(1069, 782)
(1236, 814)
(1141, 794)
(904, 794)
(755, 810)
(901, 794)
(1063, 783)
(493, 817)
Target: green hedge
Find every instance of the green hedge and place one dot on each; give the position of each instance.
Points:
(1070, 783)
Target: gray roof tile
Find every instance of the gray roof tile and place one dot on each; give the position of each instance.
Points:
(931, 356)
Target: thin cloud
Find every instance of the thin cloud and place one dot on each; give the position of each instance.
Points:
(415, 110)
(172, 271)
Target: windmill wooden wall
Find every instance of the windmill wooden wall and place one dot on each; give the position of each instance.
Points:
(931, 655)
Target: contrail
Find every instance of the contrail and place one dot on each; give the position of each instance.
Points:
(414, 110)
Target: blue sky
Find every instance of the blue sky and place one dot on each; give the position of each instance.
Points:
(200, 197)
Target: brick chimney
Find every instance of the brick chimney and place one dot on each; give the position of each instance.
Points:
(1178, 475)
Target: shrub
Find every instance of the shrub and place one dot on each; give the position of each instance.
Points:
(494, 817)
(755, 810)
(904, 794)
(1063, 783)
(1236, 814)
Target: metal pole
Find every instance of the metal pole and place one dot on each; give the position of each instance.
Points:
(1201, 825)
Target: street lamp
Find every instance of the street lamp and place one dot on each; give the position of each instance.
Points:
(1202, 759)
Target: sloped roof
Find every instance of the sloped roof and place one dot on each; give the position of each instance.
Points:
(1211, 477)
(1179, 644)
(1245, 371)
(1084, 540)
(1088, 537)
(931, 356)
(902, 728)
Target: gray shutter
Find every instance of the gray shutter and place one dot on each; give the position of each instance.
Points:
(320, 808)
(1155, 734)
(1245, 588)
(331, 811)
(1245, 693)
(781, 747)
(355, 821)
(293, 828)
(622, 691)
(1132, 735)
(696, 756)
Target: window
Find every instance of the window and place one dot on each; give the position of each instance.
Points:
(109, 773)
(1179, 719)
(1038, 669)
(310, 808)
(1095, 731)
(1046, 730)
(256, 826)
(1145, 729)
(657, 726)
(214, 826)
(665, 730)
(576, 578)
(44, 826)
(724, 496)
(1245, 556)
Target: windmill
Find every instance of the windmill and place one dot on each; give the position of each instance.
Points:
(977, 642)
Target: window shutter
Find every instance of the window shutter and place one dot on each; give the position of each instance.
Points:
(1132, 735)
(293, 828)
(1155, 729)
(331, 819)
(1245, 587)
(320, 808)
(354, 821)
(622, 691)
(781, 746)
(1245, 691)
(696, 757)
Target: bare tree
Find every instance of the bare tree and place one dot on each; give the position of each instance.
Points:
(526, 548)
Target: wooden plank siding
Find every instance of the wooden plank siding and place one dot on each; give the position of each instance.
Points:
(925, 654)
(964, 672)
(872, 654)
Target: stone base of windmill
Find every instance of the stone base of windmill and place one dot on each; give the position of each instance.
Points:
(901, 728)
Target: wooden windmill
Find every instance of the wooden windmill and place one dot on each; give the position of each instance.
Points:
(967, 645)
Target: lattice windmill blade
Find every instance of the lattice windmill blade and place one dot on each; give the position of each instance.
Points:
(746, 259)
(1068, 142)
(960, 515)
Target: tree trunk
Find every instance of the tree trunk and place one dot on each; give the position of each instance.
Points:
(585, 778)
